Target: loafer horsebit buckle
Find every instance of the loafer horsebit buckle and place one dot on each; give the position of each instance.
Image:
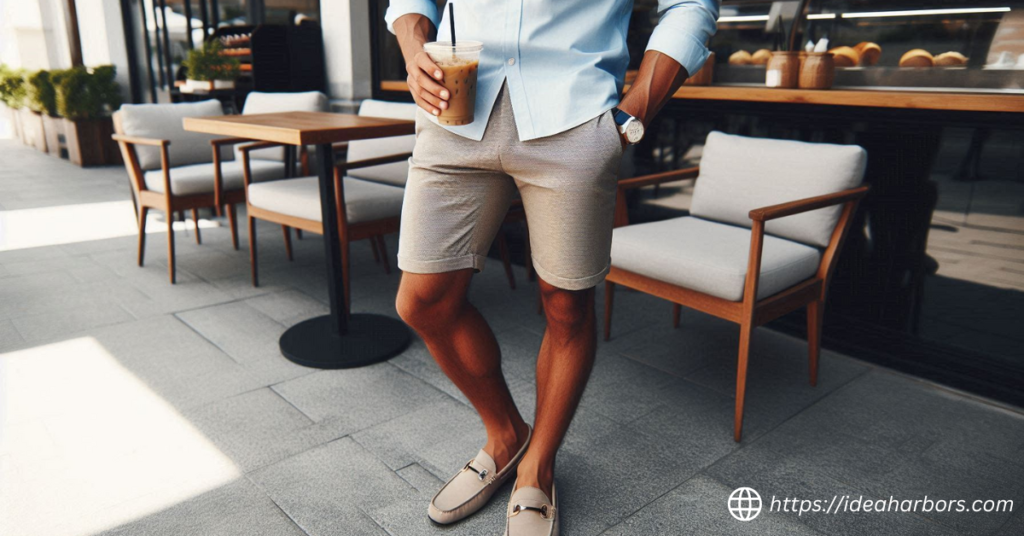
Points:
(481, 474)
(546, 511)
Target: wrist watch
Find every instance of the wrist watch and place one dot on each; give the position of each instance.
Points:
(629, 126)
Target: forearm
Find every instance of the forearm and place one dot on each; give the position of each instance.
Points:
(656, 82)
(412, 31)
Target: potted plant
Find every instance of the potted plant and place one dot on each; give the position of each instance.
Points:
(42, 100)
(12, 93)
(209, 69)
(86, 101)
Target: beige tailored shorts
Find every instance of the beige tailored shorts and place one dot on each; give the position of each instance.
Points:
(459, 191)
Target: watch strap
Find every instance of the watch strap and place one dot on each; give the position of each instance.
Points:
(620, 116)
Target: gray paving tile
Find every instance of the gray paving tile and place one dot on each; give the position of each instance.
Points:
(885, 435)
(288, 307)
(356, 399)
(10, 339)
(175, 361)
(444, 426)
(598, 487)
(17, 256)
(327, 489)
(424, 481)
(623, 390)
(699, 341)
(59, 324)
(248, 336)
(258, 428)
(699, 506)
(237, 508)
(121, 243)
(408, 517)
(777, 374)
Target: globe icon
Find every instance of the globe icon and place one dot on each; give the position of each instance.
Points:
(744, 504)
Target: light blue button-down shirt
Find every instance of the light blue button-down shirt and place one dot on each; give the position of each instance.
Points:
(564, 60)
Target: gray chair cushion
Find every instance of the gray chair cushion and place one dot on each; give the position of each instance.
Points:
(710, 257)
(395, 173)
(268, 103)
(164, 122)
(198, 178)
(738, 174)
(365, 201)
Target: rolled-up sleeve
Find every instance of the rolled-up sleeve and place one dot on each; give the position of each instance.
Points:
(683, 30)
(397, 8)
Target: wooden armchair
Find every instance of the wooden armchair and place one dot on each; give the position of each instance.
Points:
(365, 209)
(747, 254)
(170, 169)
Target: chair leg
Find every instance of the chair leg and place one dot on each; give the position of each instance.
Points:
(287, 241)
(746, 330)
(609, 299)
(298, 234)
(815, 313)
(233, 222)
(506, 260)
(346, 277)
(252, 251)
(383, 253)
(195, 220)
(170, 246)
(376, 250)
(143, 215)
(676, 310)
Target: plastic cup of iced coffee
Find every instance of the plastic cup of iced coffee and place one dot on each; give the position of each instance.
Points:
(459, 64)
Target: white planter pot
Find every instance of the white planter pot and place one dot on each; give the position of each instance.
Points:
(198, 85)
(223, 84)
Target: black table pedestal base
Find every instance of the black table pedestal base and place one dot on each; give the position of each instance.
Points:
(370, 339)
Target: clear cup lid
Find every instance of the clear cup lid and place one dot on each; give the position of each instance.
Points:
(460, 46)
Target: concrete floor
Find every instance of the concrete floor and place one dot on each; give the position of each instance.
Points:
(130, 406)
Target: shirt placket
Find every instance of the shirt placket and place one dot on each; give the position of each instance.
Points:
(513, 64)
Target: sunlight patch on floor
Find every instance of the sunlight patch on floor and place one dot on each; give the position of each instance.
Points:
(66, 224)
(86, 446)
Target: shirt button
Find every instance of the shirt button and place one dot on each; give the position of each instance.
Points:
(511, 61)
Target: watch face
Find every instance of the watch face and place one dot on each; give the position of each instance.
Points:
(634, 131)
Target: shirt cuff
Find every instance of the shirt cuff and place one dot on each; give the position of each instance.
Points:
(398, 8)
(686, 49)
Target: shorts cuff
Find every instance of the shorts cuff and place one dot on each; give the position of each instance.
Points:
(440, 266)
(582, 283)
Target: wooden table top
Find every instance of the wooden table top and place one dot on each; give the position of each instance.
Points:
(876, 98)
(300, 128)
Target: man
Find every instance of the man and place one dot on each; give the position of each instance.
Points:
(550, 125)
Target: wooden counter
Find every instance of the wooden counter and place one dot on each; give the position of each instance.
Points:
(916, 100)
(919, 100)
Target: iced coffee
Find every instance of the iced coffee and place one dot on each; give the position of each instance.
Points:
(459, 65)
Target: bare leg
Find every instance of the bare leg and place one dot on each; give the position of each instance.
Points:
(462, 343)
(563, 368)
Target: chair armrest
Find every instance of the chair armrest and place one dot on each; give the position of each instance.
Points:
(228, 141)
(135, 140)
(345, 166)
(811, 203)
(658, 178)
(622, 212)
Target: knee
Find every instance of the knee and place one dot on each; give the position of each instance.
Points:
(569, 312)
(425, 309)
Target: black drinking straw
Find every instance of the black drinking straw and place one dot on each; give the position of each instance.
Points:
(451, 21)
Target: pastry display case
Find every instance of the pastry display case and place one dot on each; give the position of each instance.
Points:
(932, 45)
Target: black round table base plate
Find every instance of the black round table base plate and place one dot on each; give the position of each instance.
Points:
(370, 339)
